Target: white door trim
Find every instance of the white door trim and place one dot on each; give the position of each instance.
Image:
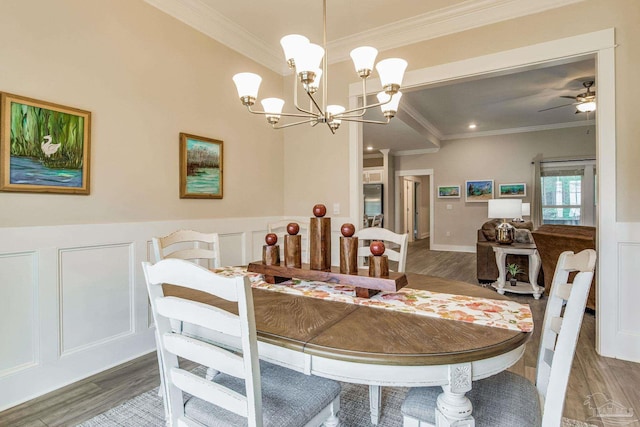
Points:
(398, 189)
(600, 44)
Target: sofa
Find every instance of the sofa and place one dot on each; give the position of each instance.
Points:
(487, 269)
(553, 239)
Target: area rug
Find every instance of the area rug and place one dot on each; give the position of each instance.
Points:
(146, 410)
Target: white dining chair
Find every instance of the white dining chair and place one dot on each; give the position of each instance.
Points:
(395, 245)
(508, 399)
(202, 248)
(244, 391)
(280, 229)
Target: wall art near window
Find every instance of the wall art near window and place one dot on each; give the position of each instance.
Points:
(479, 190)
(448, 191)
(44, 147)
(200, 167)
(512, 190)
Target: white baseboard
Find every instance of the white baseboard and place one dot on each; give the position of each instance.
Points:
(453, 248)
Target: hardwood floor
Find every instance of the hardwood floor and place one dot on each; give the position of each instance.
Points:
(590, 374)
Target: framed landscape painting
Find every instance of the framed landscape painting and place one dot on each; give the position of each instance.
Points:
(448, 191)
(200, 167)
(512, 190)
(44, 147)
(480, 190)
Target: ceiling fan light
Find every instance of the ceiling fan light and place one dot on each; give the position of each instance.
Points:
(291, 44)
(391, 72)
(363, 59)
(247, 85)
(586, 107)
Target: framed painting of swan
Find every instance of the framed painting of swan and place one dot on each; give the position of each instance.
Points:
(44, 147)
(200, 167)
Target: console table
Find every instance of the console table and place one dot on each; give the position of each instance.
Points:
(528, 249)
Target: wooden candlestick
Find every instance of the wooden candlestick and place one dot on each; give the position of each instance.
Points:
(271, 251)
(293, 246)
(348, 250)
(320, 240)
(378, 262)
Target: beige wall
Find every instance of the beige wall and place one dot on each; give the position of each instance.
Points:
(585, 17)
(145, 77)
(504, 158)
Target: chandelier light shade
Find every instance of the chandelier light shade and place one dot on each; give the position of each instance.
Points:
(309, 64)
(247, 85)
(389, 108)
(391, 72)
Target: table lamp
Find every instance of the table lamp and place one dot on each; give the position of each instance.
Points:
(503, 209)
(526, 211)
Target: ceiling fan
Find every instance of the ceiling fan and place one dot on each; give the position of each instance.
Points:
(585, 102)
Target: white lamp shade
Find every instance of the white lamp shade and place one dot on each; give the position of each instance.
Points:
(247, 84)
(526, 209)
(586, 107)
(316, 80)
(391, 71)
(308, 58)
(335, 109)
(505, 208)
(392, 105)
(291, 44)
(364, 57)
(272, 106)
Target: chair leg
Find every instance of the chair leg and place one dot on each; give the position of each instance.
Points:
(375, 403)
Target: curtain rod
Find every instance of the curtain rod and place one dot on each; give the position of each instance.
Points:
(587, 159)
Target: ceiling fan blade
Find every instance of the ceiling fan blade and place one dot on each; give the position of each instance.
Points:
(568, 97)
(553, 108)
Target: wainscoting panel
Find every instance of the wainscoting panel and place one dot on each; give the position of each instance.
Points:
(73, 300)
(18, 306)
(629, 316)
(96, 295)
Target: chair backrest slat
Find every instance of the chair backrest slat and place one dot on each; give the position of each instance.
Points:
(197, 313)
(209, 391)
(189, 245)
(558, 343)
(400, 241)
(202, 353)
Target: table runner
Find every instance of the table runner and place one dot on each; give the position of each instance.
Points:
(504, 314)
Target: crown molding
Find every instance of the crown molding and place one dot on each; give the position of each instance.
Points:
(519, 130)
(198, 15)
(465, 16)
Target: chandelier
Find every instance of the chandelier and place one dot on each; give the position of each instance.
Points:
(309, 64)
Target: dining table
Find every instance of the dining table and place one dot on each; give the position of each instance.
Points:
(426, 342)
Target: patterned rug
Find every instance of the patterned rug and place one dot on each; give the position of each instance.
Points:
(146, 410)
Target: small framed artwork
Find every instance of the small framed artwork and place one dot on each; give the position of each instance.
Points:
(448, 191)
(479, 190)
(512, 190)
(200, 167)
(44, 147)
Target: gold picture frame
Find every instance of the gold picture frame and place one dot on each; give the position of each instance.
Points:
(201, 172)
(44, 147)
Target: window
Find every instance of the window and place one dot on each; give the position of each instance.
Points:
(568, 193)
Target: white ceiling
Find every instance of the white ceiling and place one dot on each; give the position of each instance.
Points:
(498, 104)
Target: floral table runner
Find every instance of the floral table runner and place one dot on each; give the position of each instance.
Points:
(483, 311)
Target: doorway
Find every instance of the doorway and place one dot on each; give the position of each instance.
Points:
(599, 44)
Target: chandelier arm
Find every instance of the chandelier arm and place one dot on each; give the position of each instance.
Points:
(264, 113)
(295, 100)
(313, 100)
(363, 108)
(375, 122)
(311, 120)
